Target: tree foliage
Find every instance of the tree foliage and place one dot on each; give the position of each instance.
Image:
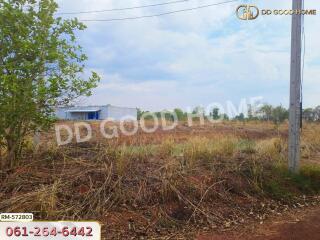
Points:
(41, 66)
(311, 114)
(181, 115)
(279, 114)
(266, 112)
(214, 114)
(240, 117)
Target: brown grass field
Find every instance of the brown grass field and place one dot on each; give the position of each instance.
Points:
(169, 184)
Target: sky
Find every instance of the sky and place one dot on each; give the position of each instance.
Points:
(194, 58)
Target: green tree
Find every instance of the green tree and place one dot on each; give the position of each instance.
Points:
(225, 116)
(180, 114)
(240, 117)
(41, 66)
(198, 110)
(266, 112)
(309, 114)
(215, 114)
(139, 113)
(279, 114)
(250, 112)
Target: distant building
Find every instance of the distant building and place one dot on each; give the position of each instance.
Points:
(95, 113)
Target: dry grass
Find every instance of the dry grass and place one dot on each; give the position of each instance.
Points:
(189, 178)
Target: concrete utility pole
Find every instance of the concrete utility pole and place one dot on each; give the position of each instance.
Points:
(295, 89)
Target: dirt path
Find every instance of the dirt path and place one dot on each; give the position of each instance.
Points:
(296, 225)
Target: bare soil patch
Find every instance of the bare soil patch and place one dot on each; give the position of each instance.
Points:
(294, 225)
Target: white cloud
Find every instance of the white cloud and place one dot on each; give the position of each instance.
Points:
(116, 83)
(196, 57)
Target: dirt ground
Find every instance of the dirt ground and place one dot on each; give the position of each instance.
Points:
(167, 185)
(296, 225)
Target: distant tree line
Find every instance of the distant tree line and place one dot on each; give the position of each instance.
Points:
(279, 114)
(311, 114)
(266, 112)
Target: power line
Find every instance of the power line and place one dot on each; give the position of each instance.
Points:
(126, 8)
(157, 15)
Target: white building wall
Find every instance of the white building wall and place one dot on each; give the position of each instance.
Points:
(103, 113)
(122, 113)
(107, 111)
(78, 116)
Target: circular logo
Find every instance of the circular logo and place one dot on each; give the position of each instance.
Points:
(247, 12)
